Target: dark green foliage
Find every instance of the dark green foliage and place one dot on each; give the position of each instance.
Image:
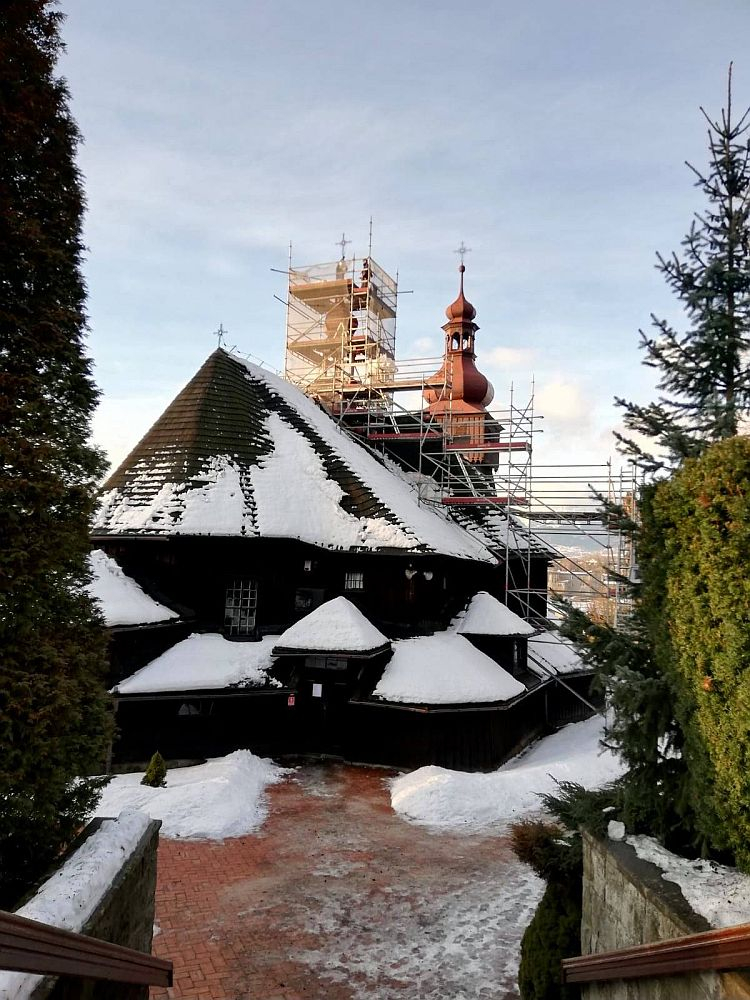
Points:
(156, 772)
(702, 516)
(703, 373)
(553, 934)
(579, 808)
(555, 929)
(54, 717)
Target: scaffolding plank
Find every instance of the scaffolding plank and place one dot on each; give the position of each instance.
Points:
(482, 501)
(404, 436)
(489, 446)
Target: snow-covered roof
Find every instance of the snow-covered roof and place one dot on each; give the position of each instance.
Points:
(444, 669)
(122, 601)
(240, 451)
(549, 652)
(485, 615)
(203, 662)
(336, 626)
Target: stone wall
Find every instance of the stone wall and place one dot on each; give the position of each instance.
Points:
(124, 916)
(626, 902)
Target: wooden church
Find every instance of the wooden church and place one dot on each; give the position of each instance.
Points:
(297, 595)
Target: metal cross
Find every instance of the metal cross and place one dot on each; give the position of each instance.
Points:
(219, 334)
(342, 243)
(462, 251)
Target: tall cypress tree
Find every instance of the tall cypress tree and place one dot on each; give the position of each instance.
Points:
(54, 713)
(704, 371)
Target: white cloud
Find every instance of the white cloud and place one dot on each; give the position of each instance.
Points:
(508, 357)
(563, 402)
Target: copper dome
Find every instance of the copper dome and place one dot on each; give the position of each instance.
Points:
(461, 310)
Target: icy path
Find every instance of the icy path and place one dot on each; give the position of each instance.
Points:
(336, 897)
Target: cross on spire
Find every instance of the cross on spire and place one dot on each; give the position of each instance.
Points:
(462, 251)
(220, 335)
(342, 243)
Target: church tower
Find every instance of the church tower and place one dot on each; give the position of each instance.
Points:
(460, 394)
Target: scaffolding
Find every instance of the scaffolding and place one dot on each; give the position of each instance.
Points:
(341, 329)
(341, 350)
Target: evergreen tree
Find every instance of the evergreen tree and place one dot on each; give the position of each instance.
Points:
(704, 372)
(54, 714)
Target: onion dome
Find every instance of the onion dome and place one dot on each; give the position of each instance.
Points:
(461, 311)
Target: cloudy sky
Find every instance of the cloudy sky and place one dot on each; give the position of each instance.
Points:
(549, 135)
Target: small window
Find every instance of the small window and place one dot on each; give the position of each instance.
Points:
(240, 607)
(354, 580)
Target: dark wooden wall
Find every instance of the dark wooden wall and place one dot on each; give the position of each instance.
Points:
(191, 574)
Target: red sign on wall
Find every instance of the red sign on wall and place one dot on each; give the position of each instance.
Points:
(290, 700)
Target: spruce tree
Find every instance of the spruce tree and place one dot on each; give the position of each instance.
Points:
(704, 371)
(54, 712)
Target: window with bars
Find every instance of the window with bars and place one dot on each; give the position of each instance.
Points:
(354, 580)
(240, 607)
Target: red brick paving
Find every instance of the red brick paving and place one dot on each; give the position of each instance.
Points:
(338, 898)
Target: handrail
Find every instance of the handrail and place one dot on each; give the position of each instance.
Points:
(723, 949)
(31, 946)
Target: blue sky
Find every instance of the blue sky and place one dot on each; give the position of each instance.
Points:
(549, 135)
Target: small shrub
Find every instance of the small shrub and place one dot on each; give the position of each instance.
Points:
(156, 772)
(547, 848)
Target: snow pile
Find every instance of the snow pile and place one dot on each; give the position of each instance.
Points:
(429, 527)
(289, 512)
(456, 799)
(550, 652)
(718, 893)
(70, 896)
(485, 615)
(122, 601)
(203, 662)
(222, 798)
(444, 669)
(336, 626)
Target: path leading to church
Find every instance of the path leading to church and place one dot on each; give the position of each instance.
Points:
(338, 898)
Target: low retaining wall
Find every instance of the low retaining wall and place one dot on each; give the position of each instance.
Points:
(626, 902)
(125, 916)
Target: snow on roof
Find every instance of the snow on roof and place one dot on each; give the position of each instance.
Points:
(336, 626)
(222, 798)
(549, 650)
(242, 451)
(444, 669)
(69, 897)
(485, 615)
(122, 601)
(459, 800)
(203, 662)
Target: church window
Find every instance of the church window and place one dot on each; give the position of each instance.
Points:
(240, 607)
(354, 580)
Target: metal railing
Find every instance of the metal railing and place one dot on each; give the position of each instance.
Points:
(30, 946)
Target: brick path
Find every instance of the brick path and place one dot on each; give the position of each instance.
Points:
(338, 898)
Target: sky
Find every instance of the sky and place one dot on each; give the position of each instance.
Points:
(549, 136)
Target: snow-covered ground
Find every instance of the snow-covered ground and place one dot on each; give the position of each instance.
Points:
(221, 798)
(122, 601)
(458, 800)
(207, 661)
(720, 894)
(444, 669)
(69, 897)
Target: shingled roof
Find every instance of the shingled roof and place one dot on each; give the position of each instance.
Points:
(240, 451)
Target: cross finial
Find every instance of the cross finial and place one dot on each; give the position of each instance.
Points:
(342, 243)
(220, 335)
(462, 251)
